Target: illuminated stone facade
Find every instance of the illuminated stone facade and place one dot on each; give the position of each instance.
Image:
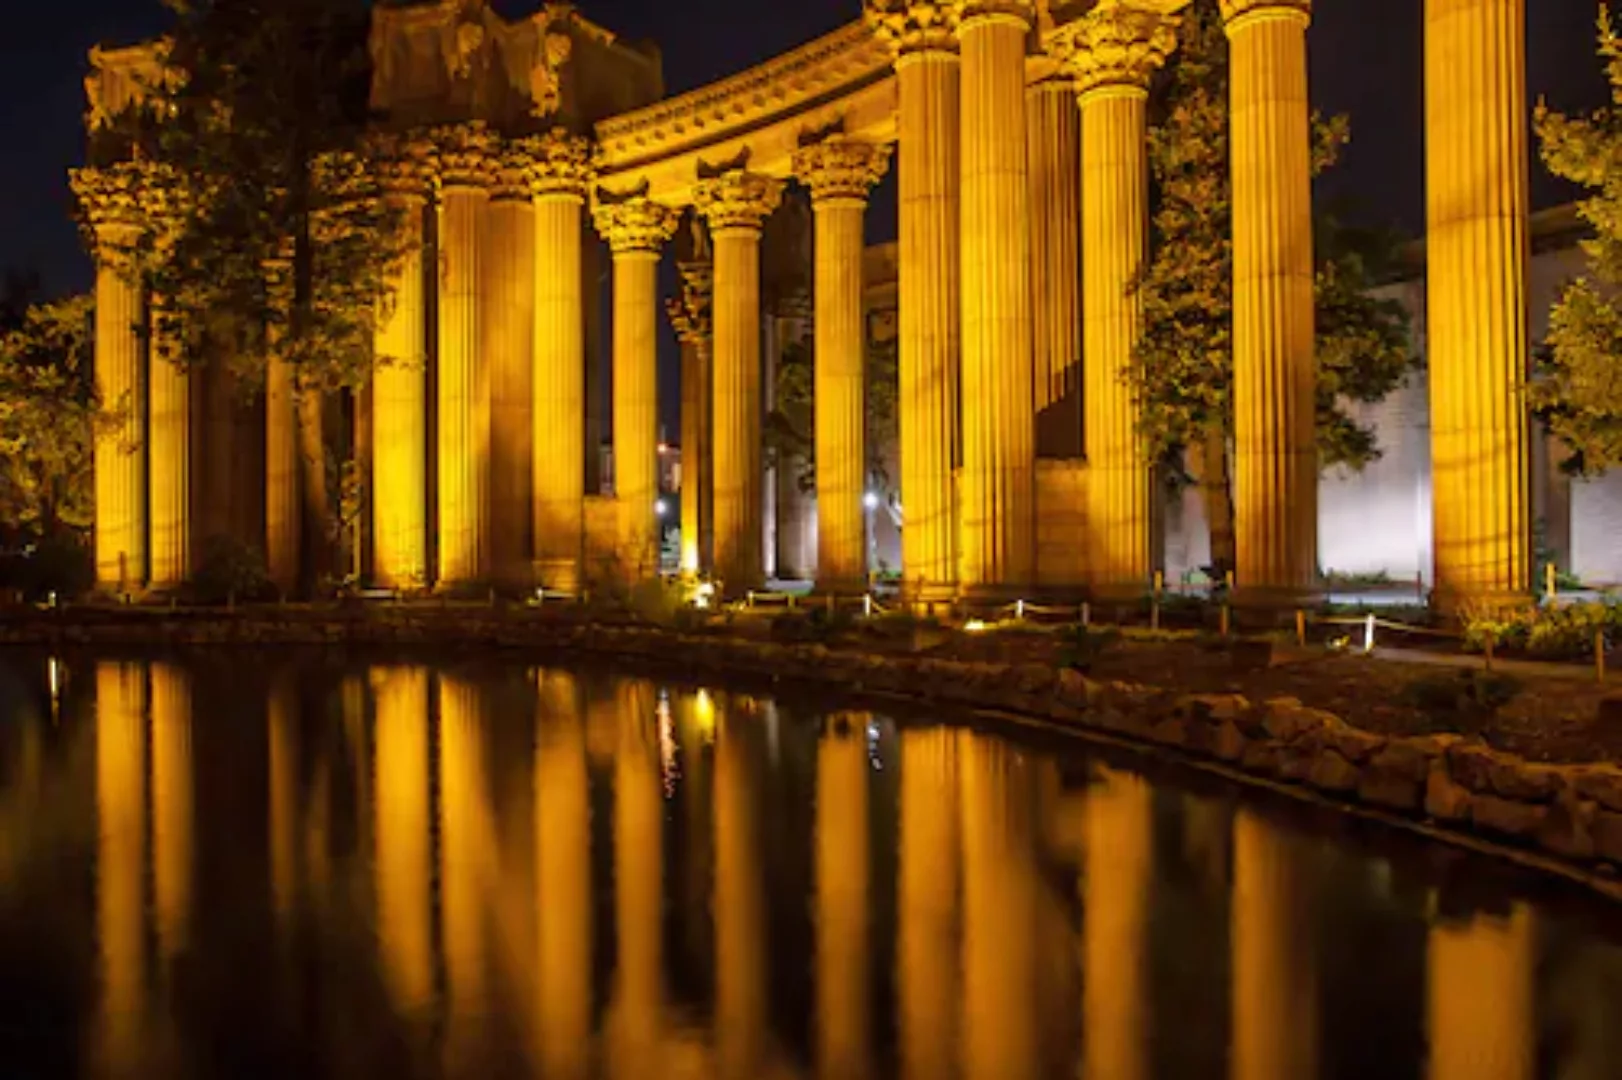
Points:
(1018, 129)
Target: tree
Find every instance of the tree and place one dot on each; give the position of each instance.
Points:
(1577, 383)
(48, 419)
(1182, 376)
(279, 241)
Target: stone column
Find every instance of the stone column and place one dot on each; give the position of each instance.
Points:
(998, 483)
(927, 71)
(110, 202)
(284, 512)
(464, 166)
(843, 898)
(169, 411)
(1053, 145)
(840, 173)
(636, 231)
(1274, 365)
(400, 397)
(1481, 1014)
(1477, 253)
(507, 329)
(736, 205)
(1113, 52)
(559, 175)
(690, 316)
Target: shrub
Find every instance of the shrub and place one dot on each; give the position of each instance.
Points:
(1462, 699)
(1082, 647)
(1552, 632)
(230, 571)
(62, 565)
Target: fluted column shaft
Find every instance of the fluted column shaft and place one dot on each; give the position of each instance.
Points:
(120, 464)
(930, 309)
(737, 205)
(1053, 141)
(169, 434)
(559, 181)
(690, 316)
(1113, 53)
(463, 388)
(636, 408)
(1476, 253)
(283, 510)
(1274, 365)
(998, 490)
(507, 316)
(400, 418)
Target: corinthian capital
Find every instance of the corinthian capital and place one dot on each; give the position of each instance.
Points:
(464, 154)
(914, 26)
(969, 10)
(840, 168)
(738, 200)
(1242, 11)
(109, 199)
(557, 163)
(405, 168)
(690, 312)
(1117, 46)
(635, 224)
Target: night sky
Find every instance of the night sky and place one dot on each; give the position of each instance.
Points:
(1366, 61)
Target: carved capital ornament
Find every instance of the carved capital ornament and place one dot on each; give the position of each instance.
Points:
(971, 11)
(841, 169)
(635, 225)
(557, 163)
(464, 155)
(738, 200)
(1116, 47)
(1237, 13)
(914, 26)
(690, 312)
(110, 198)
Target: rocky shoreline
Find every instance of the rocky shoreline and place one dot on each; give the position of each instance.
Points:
(1455, 784)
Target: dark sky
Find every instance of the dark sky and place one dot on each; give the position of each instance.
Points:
(1366, 61)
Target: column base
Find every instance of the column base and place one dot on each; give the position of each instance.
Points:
(557, 575)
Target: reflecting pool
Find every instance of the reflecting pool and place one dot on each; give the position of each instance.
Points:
(240, 865)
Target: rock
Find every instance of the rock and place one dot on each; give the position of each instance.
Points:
(1211, 708)
(1286, 719)
(1610, 711)
(1249, 656)
(1433, 746)
(1607, 831)
(1078, 689)
(1400, 759)
(1035, 679)
(1332, 772)
(1392, 790)
(1229, 742)
(1172, 731)
(1602, 783)
(1524, 781)
(1261, 756)
(1519, 820)
(1296, 761)
(1352, 743)
(1568, 830)
(1445, 798)
(1471, 764)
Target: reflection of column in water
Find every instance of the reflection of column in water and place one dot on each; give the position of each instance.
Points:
(282, 712)
(1275, 991)
(401, 834)
(120, 856)
(999, 911)
(172, 817)
(696, 733)
(1120, 837)
(466, 852)
(740, 915)
(1207, 833)
(1481, 999)
(563, 879)
(926, 953)
(638, 878)
(842, 897)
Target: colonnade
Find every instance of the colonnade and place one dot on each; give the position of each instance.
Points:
(1023, 226)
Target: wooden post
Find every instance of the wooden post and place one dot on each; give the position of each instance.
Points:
(1489, 652)
(1548, 582)
(1599, 655)
(1086, 614)
(1225, 620)
(1300, 627)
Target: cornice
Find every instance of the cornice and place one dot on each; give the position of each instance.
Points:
(814, 71)
(913, 26)
(637, 224)
(1118, 46)
(840, 168)
(738, 200)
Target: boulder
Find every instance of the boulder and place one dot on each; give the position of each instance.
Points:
(1568, 831)
(1332, 772)
(1445, 798)
(1517, 820)
(1471, 764)
(1286, 719)
(1261, 756)
(1353, 743)
(1172, 731)
(1391, 782)
(1607, 831)
(1228, 744)
(1602, 783)
(1211, 708)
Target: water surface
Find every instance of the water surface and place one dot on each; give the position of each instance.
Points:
(245, 865)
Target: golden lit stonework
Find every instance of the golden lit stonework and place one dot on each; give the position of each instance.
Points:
(738, 200)
(841, 168)
(559, 163)
(635, 224)
(1117, 45)
(464, 155)
(1235, 11)
(968, 10)
(911, 26)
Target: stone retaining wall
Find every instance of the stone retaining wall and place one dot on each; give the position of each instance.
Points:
(1572, 813)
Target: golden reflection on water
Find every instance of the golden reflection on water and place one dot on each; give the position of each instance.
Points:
(462, 814)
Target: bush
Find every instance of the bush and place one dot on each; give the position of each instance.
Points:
(1552, 632)
(1461, 699)
(1081, 647)
(61, 565)
(230, 571)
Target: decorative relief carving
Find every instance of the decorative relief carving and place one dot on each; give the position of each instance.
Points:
(464, 154)
(109, 198)
(1235, 10)
(405, 168)
(558, 163)
(738, 200)
(635, 224)
(690, 312)
(969, 10)
(1118, 44)
(841, 168)
(120, 79)
(546, 77)
(911, 26)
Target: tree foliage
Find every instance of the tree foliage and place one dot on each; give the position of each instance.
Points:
(1182, 376)
(279, 240)
(1577, 387)
(48, 418)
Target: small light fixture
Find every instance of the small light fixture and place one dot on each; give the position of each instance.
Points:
(871, 501)
(659, 508)
(974, 626)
